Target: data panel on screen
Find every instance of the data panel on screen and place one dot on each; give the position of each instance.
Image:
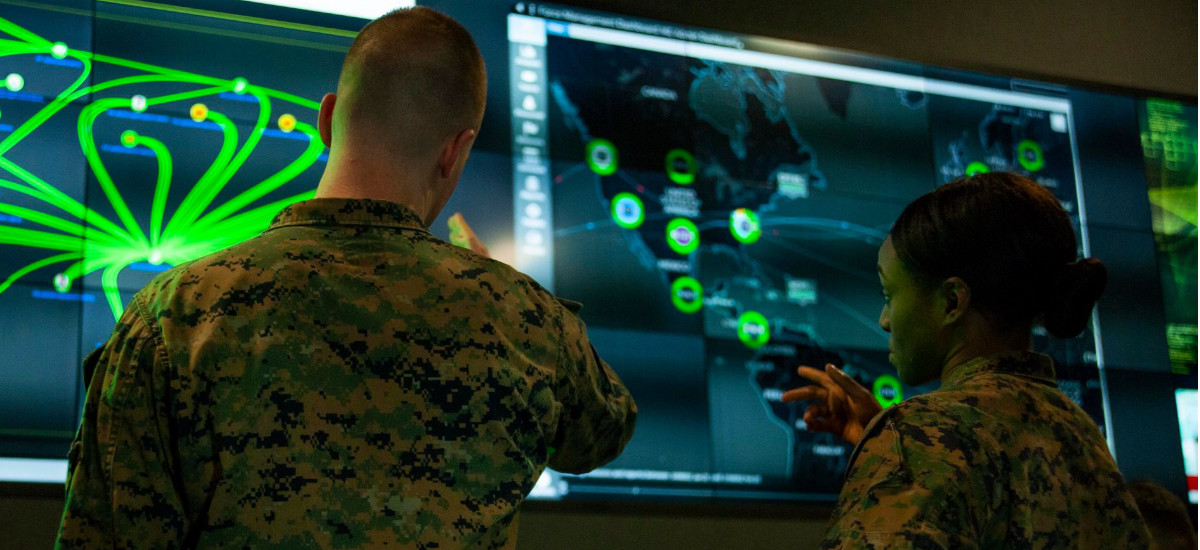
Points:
(718, 210)
(119, 160)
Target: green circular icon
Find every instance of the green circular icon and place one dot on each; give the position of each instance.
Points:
(628, 211)
(681, 166)
(602, 157)
(239, 85)
(14, 82)
(129, 138)
(687, 294)
(1029, 154)
(887, 390)
(62, 282)
(58, 50)
(753, 329)
(744, 225)
(977, 168)
(682, 235)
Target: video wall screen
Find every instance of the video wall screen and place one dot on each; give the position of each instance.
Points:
(133, 137)
(715, 200)
(738, 195)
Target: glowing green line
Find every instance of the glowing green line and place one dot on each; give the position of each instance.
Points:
(87, 141)
(51, 221)
(59, 199)
(57, 105)
(83, 76)
(13, 47)
(223, 32)
(190, 211)
(22, 33)
(48, 7)
(52, 194)
(199, 196)
(109, 281)
(96, 243)
(233, 17)
(97, 257)
(38, 44)
(314, 105)
(161, 187)
(185, 95)
(314, 150)
(38, 265)
(254, 221)
(35, 238)
(86, 123)
(21, 188)
(192, 77)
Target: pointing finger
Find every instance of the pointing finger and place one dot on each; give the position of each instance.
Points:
(843, 380)
(806, 393)
(819, 376)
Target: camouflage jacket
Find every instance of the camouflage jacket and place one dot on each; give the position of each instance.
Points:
(344, 380)
(997, 457)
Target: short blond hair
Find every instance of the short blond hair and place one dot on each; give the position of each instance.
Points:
(412, 78)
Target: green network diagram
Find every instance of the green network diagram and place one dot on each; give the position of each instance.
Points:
(82, 241)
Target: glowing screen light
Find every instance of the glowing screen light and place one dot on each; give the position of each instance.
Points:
(78, 240)
(366, 9)
(1189, 434)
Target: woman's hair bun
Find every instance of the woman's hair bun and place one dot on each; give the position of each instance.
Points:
(1074, 294)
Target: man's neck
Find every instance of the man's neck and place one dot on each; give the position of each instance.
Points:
(354, 180)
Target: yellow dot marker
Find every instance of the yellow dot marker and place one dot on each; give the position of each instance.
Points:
(287, 123)
(199, 112)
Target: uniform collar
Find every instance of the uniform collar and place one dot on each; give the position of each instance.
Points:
(332, 211)
(1026, 364)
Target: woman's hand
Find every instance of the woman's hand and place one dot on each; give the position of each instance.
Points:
(838, 404)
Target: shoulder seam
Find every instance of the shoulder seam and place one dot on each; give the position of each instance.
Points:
(156, 332)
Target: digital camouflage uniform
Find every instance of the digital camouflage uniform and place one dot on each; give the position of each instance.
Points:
(997, 458)
(344, 380)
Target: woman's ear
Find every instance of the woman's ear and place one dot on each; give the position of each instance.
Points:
(956, 298)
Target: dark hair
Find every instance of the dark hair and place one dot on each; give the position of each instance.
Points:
(1013, 244)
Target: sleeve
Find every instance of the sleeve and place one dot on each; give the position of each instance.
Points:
(908, 486)
(598, 413)
(121, 480)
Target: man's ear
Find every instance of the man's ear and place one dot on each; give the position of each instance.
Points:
(454, 149)
(325, 119)
(956, 298)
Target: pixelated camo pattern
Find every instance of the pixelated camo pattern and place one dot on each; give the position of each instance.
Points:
(344, 380)
(996, 458)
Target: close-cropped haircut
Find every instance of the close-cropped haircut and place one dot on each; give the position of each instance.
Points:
(414, 76)
(1013, 244)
